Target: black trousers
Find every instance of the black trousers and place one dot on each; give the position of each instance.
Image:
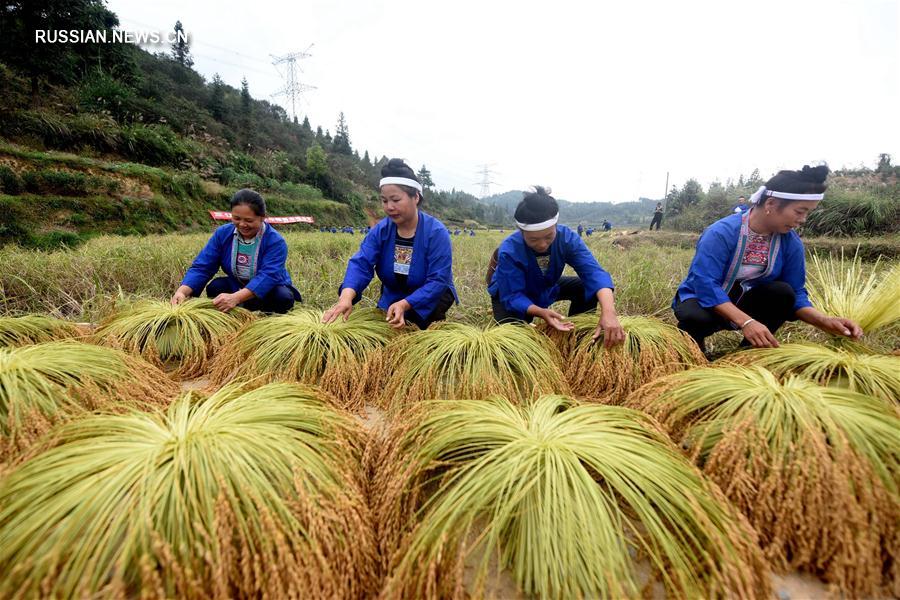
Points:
(570, 288)
(657, 220)
(438, 314)
(770, 303)
(279, 300)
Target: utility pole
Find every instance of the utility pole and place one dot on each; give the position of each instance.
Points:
(485, 182)
(666, 195)
(293, 88)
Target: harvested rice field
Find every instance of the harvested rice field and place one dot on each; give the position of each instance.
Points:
(158, 452)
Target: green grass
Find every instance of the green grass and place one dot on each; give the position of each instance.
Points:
(83, 284)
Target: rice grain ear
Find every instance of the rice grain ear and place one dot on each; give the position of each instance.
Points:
(454, 360)
(472, 489)
(815, 469)
(180, 339)
(343, 358)
(241, 494)
(651, 349)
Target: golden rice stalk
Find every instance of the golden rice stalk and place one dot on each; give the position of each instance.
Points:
(815, 469)
(34, 329)
(841, 287)
(850, 366)
(43, 384)
(244, 494)
(651, 349)
(182, 338)
(568, 501)
(453, 360)
(343, 358)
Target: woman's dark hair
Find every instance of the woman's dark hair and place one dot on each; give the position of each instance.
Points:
(250, 198)
(537, 206)
(808, 180)
(397, 168)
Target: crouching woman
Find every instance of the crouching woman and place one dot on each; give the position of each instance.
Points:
(252, 255)
(749, 269)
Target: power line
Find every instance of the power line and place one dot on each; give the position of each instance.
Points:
(485, 182)
(293, 88)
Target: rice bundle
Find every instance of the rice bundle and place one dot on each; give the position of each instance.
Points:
(341, 357)
(453, 360)
(186, 335)
(238, 495)
(568, 500)
(651, 349)
(839, 287)
(34, 329)
(815, 469)
(850, 366)
(43, 384)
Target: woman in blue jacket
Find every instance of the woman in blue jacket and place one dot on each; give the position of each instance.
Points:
(409, 250)
(525, 276)
(252, 255)
(749, 270)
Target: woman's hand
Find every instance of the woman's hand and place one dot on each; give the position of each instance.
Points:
(181, 294)
(178, 297)
(611, 330)
(759, 335)
(226, 302)
(396, 313)
(556, 320)
(343, 308)
(841, 326)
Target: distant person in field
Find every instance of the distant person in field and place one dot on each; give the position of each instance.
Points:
(409, 250)
(657, 216)
(749, 269)
(741, 206)
(580, 230)
(525, 274)
(607, 226)
(252, 255)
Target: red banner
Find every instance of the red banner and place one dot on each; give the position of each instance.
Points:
(222, 215)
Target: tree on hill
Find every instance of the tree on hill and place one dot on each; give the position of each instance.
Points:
(342, 136)
(317, 163)
(217, 98)
(425, 177)
(64, 61)
(181, 47)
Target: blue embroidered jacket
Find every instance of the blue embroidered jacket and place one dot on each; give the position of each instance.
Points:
(430, 271)
(519, 281)
(220, 251)
(718, 259)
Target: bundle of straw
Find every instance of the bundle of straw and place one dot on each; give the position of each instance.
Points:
(651, 349)
(343, 357)
(453, 360)
(815, 469)
(571, 501)
(239, 495)
(186, 335)
(34, 329)
(43, 384)
(850, 366)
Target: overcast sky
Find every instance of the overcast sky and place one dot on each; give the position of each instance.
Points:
(597, 100)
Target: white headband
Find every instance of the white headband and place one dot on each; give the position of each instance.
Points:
(401, 181)
(762, 191)
(538, 226)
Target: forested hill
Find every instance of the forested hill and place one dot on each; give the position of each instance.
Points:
(108, 137)
(588, 213)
